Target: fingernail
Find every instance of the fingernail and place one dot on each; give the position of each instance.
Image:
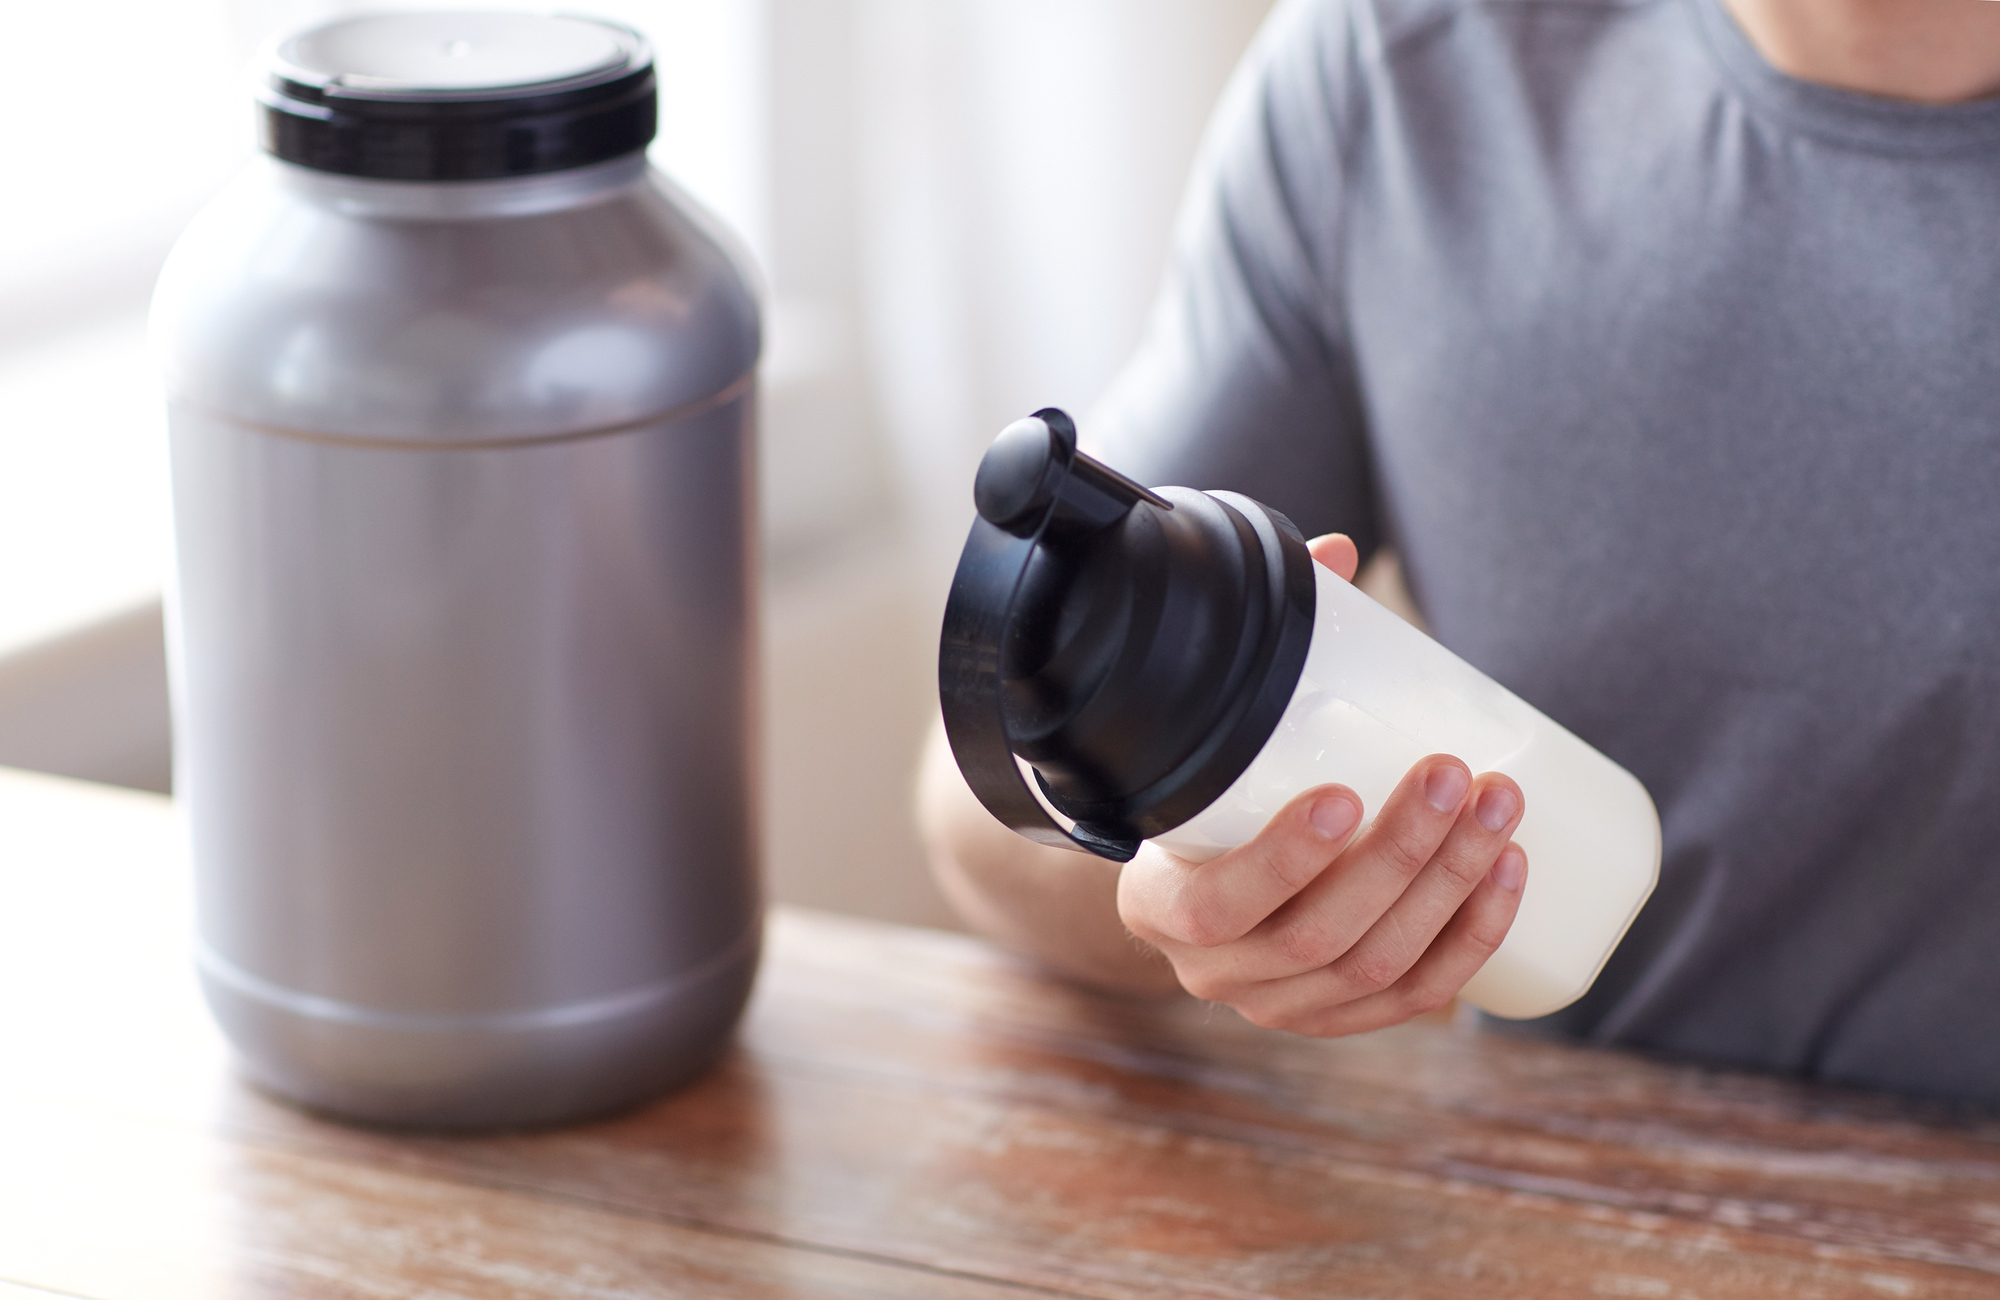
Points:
(1445, 786)
(1495, 807)
(1334, 816)
(1511, 869)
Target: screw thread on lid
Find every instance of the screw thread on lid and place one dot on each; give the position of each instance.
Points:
(457, 95)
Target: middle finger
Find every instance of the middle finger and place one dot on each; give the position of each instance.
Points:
(1330, 914)
(1396, 942)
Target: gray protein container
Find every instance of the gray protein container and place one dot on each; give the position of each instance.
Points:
(461, 409)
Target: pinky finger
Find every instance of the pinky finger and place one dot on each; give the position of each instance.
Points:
(1454, 957)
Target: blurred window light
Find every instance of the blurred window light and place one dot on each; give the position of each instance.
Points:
(119, 157)
(889, 163)
(83, 507)
(135, 112)
(128, 114)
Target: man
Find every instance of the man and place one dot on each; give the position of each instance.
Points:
(1662, 337)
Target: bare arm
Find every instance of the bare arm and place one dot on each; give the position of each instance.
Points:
(1060, 908)
(1309, 927)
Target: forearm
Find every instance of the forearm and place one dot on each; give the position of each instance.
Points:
(1058, 907)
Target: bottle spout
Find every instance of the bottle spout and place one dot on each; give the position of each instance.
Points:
(1033, 469)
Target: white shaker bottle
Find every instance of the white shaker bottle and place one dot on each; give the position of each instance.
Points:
(1173, 666)
(461, 637)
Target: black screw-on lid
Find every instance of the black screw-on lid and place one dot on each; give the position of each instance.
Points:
(1135, 648)
(458, 95)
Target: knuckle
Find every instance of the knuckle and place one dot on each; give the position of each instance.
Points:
(1302, 945)
(1424, 998)
(1140, 921)
(1150, 935)
(1204, 985)
(1327, 1026)
(1190, 920)
(1279, 1018)
(1407, 852)
(1292, 871)
(1467, 869)
(1139, 906)
(1485, 932)
(1370, 972)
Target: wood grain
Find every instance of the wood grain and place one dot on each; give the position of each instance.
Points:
(912, 1114)
(186, 1216)
(986, 1122)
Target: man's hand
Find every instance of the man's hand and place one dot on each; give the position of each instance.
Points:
(1311, 929)
(1299, 928)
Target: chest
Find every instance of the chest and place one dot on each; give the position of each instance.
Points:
(1697, 401)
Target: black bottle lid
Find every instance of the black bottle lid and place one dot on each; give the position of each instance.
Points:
(1135, 648)
(458, 95)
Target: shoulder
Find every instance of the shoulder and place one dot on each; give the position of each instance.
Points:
(1364, 35)
(1324, 64)
(1322, 70)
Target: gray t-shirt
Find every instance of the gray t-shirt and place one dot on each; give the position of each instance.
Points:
(1676, 383)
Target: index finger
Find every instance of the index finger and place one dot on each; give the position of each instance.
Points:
(1164, 899)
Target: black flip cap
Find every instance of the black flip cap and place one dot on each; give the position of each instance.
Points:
(1033, 467)
(1135, 648)
(458, 95)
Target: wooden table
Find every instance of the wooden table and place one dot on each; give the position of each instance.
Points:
(911, 1114)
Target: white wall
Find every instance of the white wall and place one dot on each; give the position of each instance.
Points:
(1021, 163)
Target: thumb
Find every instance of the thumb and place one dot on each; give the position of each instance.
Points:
(1337, 552)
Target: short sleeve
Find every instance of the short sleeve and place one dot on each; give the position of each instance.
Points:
(1244, 380)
